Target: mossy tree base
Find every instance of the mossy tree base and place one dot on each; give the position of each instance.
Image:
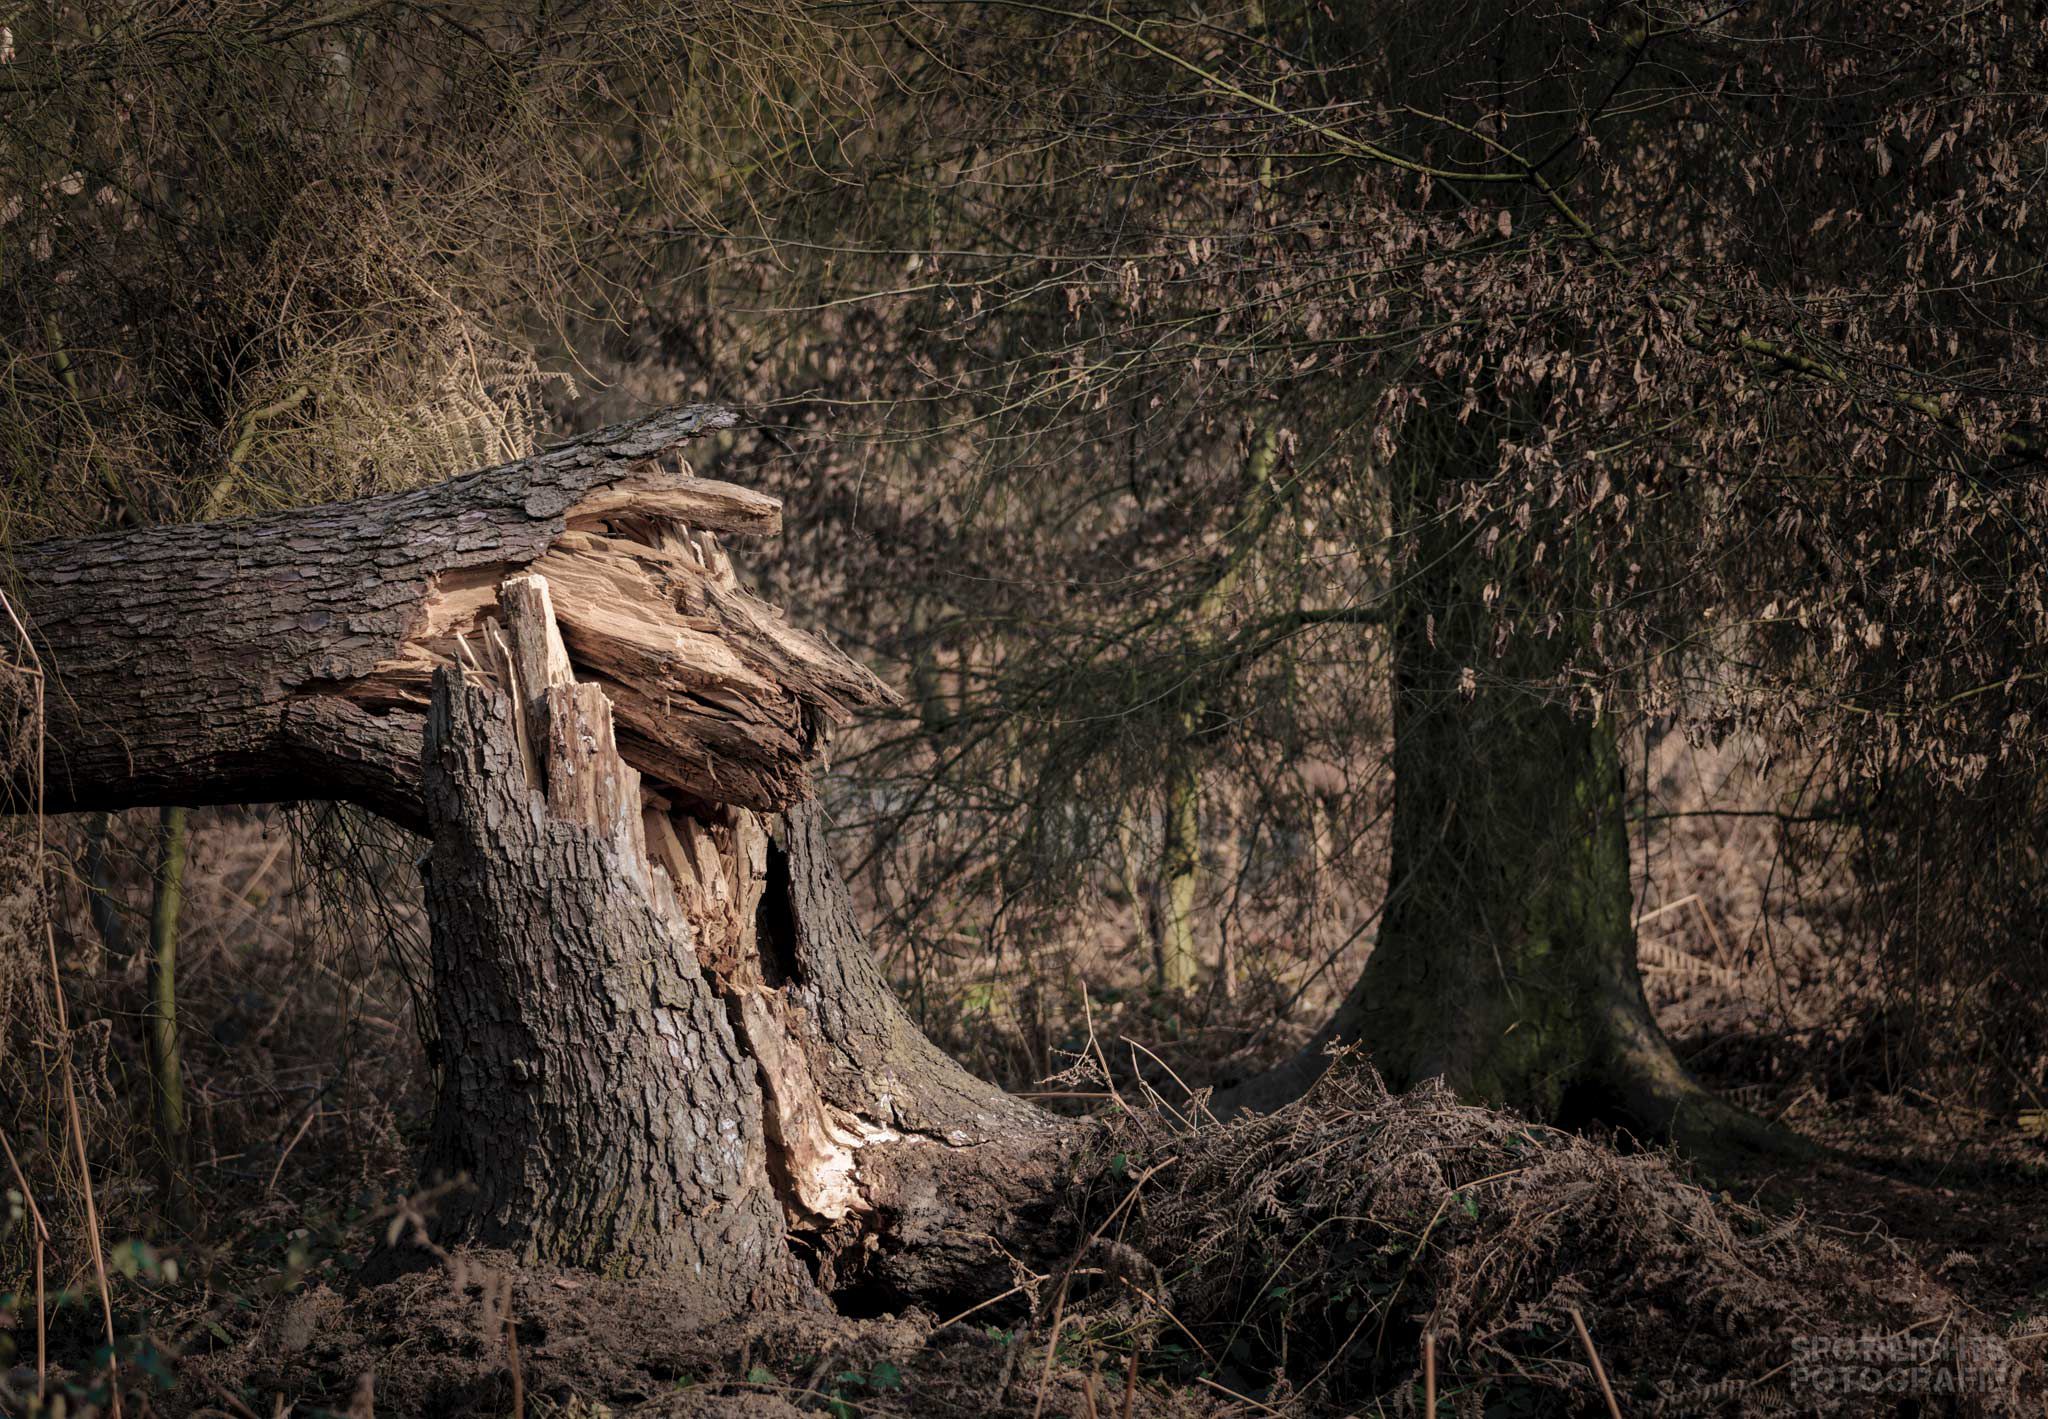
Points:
(1506, 958)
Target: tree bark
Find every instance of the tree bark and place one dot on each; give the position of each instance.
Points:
(939, 1162)
(1506, 958)
(290, 657)
(592, 1094)
(667, 1049)
(669, 1052)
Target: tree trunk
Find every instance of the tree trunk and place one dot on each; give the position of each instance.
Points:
(667, 1049)
(290, 657)
(1180, 860)
(1180, 856)
(1506, 958)
(592, 1092)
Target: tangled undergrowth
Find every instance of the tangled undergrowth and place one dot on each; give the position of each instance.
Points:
(1288, 1264)
(1326, 1240)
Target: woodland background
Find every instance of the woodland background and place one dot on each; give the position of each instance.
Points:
(1135, 379)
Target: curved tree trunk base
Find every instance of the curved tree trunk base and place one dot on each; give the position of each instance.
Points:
(1639, 1086)
(1657, 1096)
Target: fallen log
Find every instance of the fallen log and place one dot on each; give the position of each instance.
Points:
(291, 656)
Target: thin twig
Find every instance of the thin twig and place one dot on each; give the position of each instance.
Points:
(1200, 1101)
(1052, 1345)
(977, 1306)
(1240, 1398)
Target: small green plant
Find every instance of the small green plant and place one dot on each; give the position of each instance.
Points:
(880, 1378)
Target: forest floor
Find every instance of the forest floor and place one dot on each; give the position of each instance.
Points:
(1922, 1226)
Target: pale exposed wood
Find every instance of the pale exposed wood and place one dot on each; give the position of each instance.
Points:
(693, 502)
(537, 659)
(587, 781)
(716, 695)
(816, 1147)
(617, 620)
(527, 608)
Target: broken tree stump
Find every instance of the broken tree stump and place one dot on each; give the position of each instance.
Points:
(668, 1053)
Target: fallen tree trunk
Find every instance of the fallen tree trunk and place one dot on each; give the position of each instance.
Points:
(290, 657)
(666, 1048)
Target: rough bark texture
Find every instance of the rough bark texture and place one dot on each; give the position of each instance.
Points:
(289, 657)
(941, 1162)
(666, 1049)
(592, 1089)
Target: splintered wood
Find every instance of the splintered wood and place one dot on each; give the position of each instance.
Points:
(714, 697)
(660, 706)
(705, 865)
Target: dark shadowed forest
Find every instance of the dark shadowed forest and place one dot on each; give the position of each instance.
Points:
(988, 708)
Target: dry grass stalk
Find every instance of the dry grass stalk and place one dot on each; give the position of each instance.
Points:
(29, 671)
(1599, 1370)
(42, 1230)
